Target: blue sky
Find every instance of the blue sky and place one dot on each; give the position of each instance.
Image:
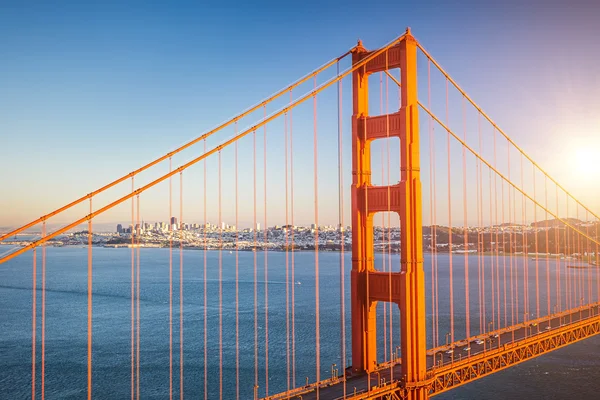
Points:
(89, 92)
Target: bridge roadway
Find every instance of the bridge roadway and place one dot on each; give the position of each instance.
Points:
(453, 354)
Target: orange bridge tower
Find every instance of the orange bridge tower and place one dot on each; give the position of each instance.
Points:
(406, 287)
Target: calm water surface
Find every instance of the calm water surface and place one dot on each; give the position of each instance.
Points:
(573, 371)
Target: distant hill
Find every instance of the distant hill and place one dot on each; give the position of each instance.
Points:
(553, 223)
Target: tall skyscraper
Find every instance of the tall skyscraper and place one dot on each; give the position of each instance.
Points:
(173, 220)
(119, 228)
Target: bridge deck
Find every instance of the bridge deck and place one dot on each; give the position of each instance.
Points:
(465, 360)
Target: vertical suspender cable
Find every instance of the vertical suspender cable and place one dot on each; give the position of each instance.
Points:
(342, 239)
(316, 189)
(293, 256)
(557, 252)
(170, 281)
(537, 277)
(133, 336)
(511, 249)
(568, 253)
(480, 237)
(220, 286)
(515, 259)
(138, 302)
(205, 303)
(287, 258)
(89, 316)
(566, 250)
(180, 285)
(503, 254)
(33, 322)
(450, 228)
(547, 247)
(579, 270)
(435, 252)
(587, 257)
(431, 172)
(43, 371)
(526, 252)
(492, 258)
(597, 256)
(266, 243)
(580, 289)
(237, 277)
(254, 229)
(465, 228)
(573, 236)
(497, 247)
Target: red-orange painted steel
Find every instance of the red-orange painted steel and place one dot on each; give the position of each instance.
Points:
(363, 312)
(412, 305)
(410, 284)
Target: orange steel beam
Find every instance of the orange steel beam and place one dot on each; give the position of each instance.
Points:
(498, 128)
(368, 285)
(585, 235)
(266, 120)
(407, 287)
(412, 278)
(363, 310)
(179, 149)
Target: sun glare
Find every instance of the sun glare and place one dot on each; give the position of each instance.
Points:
(586, 162)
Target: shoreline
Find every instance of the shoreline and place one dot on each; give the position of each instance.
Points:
(347, 249)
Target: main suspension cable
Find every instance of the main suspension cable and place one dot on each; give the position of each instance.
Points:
(228, 142)
(448, 77)
(187, 145)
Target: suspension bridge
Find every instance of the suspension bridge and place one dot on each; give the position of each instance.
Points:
(464, 257)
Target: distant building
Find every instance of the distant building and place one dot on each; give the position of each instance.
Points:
(173, 220)
(119, 228)
(257, 226)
